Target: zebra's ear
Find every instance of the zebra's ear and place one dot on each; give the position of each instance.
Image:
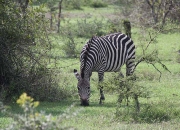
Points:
(76, 74)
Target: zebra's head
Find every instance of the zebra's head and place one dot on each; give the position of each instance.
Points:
(83, 87)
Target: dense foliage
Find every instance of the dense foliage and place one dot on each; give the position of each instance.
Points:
(151, 12)
(24, 53)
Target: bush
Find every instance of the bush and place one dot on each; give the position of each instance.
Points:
(72, 32)
(87, 28)
(150, 113)
(115, 25)
(73, 4)
(70, 46)
(77, 4)
(25, 54)
(68, 35)
(33, 120)
(98, 4)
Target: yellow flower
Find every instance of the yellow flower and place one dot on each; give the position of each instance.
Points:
(36, 104)
(36, 114)
(23, 99)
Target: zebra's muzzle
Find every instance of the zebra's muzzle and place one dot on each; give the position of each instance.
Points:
(84, 102)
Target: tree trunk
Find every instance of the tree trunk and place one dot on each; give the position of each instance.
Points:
(168, 5)
(59, 15)
(153, 10)
(51, 20)
(137, 105)
(127, 27)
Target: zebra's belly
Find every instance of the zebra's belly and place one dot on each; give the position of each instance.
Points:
(114, 67)
(115, 70)
(112, 70)
(108, 69)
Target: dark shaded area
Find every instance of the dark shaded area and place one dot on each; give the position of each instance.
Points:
(24, 54)
(84, 103)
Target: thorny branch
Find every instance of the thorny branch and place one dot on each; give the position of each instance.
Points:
(151, 39)
(154, 59)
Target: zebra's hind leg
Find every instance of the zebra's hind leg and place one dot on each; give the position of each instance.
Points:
(101, 95)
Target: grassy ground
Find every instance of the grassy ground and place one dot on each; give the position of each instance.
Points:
(164, 97)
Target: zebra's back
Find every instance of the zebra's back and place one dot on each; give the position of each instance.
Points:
(117, 48)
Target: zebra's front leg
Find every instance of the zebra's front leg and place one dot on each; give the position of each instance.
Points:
(101, 77)
(101, 95)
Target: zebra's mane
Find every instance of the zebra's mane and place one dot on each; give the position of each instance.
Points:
(85, 55)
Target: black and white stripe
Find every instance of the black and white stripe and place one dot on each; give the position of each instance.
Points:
(107, 54)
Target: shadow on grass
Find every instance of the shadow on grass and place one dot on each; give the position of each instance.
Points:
(56, 108)
(104, 105)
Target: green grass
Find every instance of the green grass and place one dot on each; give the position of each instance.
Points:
(164, 100)
(164, 97)
(103, 116)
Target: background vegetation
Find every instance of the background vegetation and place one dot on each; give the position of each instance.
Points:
(35, 59)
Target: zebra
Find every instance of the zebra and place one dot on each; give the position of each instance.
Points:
(103, 54)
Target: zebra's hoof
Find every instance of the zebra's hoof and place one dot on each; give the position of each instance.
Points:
(102, 98)
(100, 102)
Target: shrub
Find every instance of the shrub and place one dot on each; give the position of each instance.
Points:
(73, 4)
(151, 114)
(68, 35)
(25, 53)
(72, 32)
(87, 28)
(70, 46)
(98, 4)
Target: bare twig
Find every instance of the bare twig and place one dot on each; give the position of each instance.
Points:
(151, 58)
(139, 61)
(152, 39)
(157, 70)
